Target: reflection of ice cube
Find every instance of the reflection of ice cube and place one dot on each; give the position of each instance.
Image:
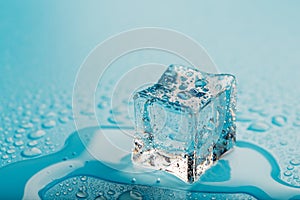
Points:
(185, 121)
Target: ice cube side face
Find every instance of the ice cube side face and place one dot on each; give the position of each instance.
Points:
(185, 122)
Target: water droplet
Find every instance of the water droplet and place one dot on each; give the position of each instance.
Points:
(112, 120)
(133, 180)
(35, 120)
(18, 143)
(183, 95)
(158, 180)
(32, 143)
(297, 123)
(5, 157)
(87, 112)
(49, 124)
(218, 87)
(83, 178)
(290, 167)
(101, 197)
(20, 130)
(10, 151)
(288, 173)
(130, 195)
(9, 140)
(32, 152)
(37, 134)
(259, 127)
(279, 120)
(189, 73)
(63, 120)
(295, 162)
(111, 192)
(50, 115)
(26, 125)
(82, 194)
(182, 87)
(200, 83)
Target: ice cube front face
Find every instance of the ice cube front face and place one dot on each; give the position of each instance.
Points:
(185, 122)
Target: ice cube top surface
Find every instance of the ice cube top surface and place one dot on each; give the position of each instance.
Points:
(185, 121)
(187, 88)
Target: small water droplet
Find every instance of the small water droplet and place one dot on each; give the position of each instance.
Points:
(182, 87)
(9, 140)
(259, 127)
(20, 130)
(83, 178)
(112, 120)
(82, 194)
(63, 119)
(32, 143)
(279, 120)
(158, 180)
(18, 143)
(200, 83)
(297, 123)
(288, 173)
(189, 73)
(10, 151)
(183, 95)
(37, 134)
(35, 120)
(31, 152)
(130, 195)
(218, 87)
(283, 142)
(101, 197)
(5, 157)
(133, 180)
(26, 125)
(295, 162)
(111, 192)
(290, 167)
(49, 124)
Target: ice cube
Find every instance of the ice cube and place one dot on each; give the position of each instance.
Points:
(185, 122)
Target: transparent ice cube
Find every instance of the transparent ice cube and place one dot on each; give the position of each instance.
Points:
(185, 122)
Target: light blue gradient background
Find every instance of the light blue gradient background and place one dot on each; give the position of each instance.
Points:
(45, 39)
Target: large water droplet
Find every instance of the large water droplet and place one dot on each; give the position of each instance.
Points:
(130, 195)
(32, 152)
(279, 120)
(37, 134)
(259, 127)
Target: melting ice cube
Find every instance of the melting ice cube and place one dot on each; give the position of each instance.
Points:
(185, 122)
